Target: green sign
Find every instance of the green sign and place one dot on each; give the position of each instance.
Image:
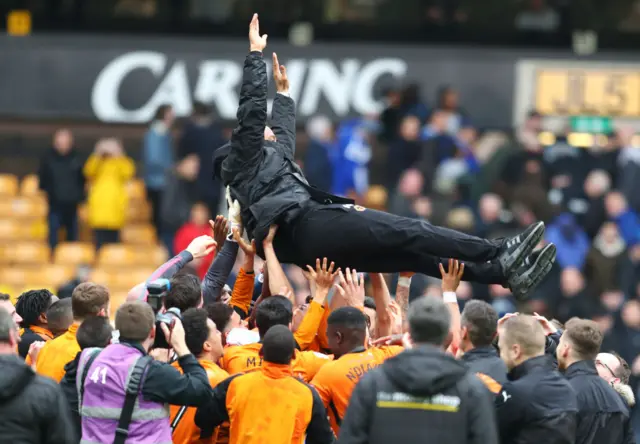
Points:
(592, 124)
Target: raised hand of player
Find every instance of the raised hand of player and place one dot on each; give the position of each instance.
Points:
(257, 42)
(280, 75)
(220, 228)
(323, 276)
(201, 246)
(451, 278)
(249, 248)
(351, 288)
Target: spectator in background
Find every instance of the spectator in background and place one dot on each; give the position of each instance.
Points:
(537, 16)
(570, 239)
(573, 300)
(391, 116)
(32, 307)
(493, 220)
(200, 137)
(32, 408)
(405, 151)
(629, 167)
(198, 225)
(626, 219)
(108, 170)
(605, 260)
(353, 151)
(448, 104)
(59, 317)
(82, 275)
(412, 103)
(60, 177)
(408, 200)
(5, 302)
(318, 161)
(157, 158)
(597, 184)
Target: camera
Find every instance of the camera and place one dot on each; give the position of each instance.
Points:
(157, 292)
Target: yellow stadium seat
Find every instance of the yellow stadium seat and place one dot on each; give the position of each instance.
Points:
(30, 186)
(25, 207)
(8, 185)
(4, 254)
(37, 285)
(9, 230)
(129, 278)
(37, 230)
(138, 212)
(17, 277)
(27, 253)
(136, 190)
(151, 256)
(57, 274)
(74, 253)
(102, 276)
(117, 298)
(117, 256)
(138, 234)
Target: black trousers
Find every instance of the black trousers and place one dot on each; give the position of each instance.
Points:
(104, 237)
(378, 242)
(155, 198)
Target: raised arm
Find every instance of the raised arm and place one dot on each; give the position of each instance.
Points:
(283, 113)
(248, 136)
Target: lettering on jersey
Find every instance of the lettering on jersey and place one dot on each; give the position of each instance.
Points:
(357, 372)
(254, 361)
(440, 402)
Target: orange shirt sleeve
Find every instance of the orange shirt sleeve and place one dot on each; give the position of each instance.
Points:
(309, 326)
(55, 355)
(387, 351)
(242, 293)
(322, 330)
(310, 362)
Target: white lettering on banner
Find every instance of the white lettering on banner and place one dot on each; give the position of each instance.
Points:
(345, 86)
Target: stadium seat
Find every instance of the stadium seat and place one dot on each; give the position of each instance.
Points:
(74, 253)
(9, 230)
(138, 212)
(138, 234)
(117, 299)
(57, 274)
(131, 277)
(151, 256)
(8, 185)
(102, 276)
(37, 230)
(17, 277)
(36, 285)
(27, 207)
(136, 190)
(28, 253)
(117, 256)
(30, 186)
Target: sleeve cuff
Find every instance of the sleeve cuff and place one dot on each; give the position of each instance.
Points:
(285, 93)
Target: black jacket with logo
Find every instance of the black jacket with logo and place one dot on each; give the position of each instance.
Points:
(602, 414)
(420, 396)
(32, 407)
(485, 360)
(537, 405)
(263, 175)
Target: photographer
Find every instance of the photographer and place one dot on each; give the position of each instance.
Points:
(124, 392)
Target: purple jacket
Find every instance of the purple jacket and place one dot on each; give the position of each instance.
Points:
(104, 396)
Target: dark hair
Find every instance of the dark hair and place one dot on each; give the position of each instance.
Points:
(201, 109)
(429, 321)
(134, 321)
(31, 304)
(220, 313)
(4, 297)
(369, 302)
(95, 331)
(196, 330)
(185, 292)
(278, 345)
(59, 316)
(623, 372)
(585, 336)
(275, 310)
(481, 321)
(348, 317)
(88, 299)
(161, 111)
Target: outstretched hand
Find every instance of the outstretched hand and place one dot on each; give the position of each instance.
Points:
(451, 278)
(323, 275)
(280, 75)
(257, 42)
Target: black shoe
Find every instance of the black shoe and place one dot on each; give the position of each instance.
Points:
(517, 248)
(532, 272)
